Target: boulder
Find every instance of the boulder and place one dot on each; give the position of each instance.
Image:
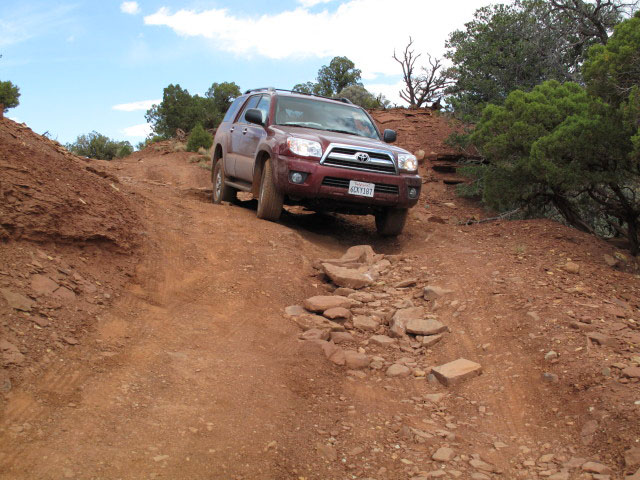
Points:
(348, 277)
(341, 337)
(426, 326)
(337, 313)
(367, 324)
(321, 303)
(456, 372)
(356, 360)
(397, 370)
(17, 301)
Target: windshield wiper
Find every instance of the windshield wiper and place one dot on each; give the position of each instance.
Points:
(342, 131)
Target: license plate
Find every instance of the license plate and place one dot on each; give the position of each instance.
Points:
(362, 189)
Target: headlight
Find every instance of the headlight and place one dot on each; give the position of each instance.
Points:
(408, 162)
(304, 148)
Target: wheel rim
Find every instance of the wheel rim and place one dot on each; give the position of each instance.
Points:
(219, 184)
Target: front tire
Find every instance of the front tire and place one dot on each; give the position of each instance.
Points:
(390, 221)
(270, 200)
(221, 191)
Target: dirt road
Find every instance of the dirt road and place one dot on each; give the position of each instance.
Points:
(195, 373)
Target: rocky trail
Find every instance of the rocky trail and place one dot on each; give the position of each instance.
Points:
(194, 341)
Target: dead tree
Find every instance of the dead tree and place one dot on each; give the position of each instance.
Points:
(420, 89)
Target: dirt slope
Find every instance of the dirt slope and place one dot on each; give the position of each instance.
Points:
(195, 372)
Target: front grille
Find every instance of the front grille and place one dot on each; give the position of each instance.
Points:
(344, 156)
(344, 183)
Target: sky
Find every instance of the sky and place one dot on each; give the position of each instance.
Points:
(98, 65)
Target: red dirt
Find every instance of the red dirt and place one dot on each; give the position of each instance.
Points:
(190, 370)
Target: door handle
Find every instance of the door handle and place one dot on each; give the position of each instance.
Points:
(232, 129)
(244, 130)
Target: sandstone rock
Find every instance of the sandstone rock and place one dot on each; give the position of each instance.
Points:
(483, 466)
(320, 303)
(337, 313)
(410, 282)
(341, 337)
(601, 339)
(43, 285)
(347, 277)
(71, 340)
(550, 356)
(17, 301)
(294, 310)
(356, 360)
(456, 372)
(397, 370)
(382, 340)
(431, 340)
(432, 292)
(632, 458)
(572, 267)
(405, 314)
(443, 454)
(424, 326)
(10, 353)
(631, 372)
(334, 353)
(364, 297)
(550, 377)
(344, 292)
(309, 320)
(315, 334)
(63, 293)
(434, 397)
(367, 324)
(609, 260)
(596, 467)
(559, 476)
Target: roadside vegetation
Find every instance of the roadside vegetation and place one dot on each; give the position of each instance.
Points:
(9, 96)
(96, 145)
(550, 94)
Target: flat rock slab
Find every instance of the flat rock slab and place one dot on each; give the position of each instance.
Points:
(338, 313)
(397, 370)
(405, 314)
(426, 326)
(294, 310)
(341, 337)
(347, 277)
(356, 360)
(631, 372)
(17, 301)
(432, 292)
(309, 321)
(601, 339)
(362, 322)
(43, 285)
(456, 372)
(321, 303)
(443, 454)
(382, 340)
(431, 340)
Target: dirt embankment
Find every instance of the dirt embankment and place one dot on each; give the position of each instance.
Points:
(67, 232)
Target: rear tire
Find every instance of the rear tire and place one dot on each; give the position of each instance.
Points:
(390, 221)
(270, 200)
(221, 191)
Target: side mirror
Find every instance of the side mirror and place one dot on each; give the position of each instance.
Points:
(389, 136)
(254, 115)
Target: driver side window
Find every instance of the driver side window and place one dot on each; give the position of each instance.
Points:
(253, 101)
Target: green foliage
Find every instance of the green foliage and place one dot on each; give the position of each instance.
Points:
(559, 151)
(613, 70)
(332, 79)
(149, 141)
(181, 110)
(362, 97)
(96, 145)
(222, 95)
(9, 95)
(518, 46)
(199, 138)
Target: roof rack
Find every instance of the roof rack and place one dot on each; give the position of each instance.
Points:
(271, 89)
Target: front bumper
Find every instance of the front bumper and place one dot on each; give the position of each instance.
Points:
(332, 183)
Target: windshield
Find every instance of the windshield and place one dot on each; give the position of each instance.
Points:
(332, 117)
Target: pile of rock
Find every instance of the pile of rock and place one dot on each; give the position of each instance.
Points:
(370, 323)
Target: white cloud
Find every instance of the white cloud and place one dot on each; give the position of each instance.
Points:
(132, 8)
(136, 106)
(366, 31)
(28, 21)
(389, 90)
(312, 3)
(141, 130)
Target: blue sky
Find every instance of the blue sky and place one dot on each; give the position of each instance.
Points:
(97, 65)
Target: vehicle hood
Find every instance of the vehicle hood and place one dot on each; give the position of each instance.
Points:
(325, 138)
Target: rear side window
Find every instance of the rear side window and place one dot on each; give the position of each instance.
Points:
(253, 101)
(235, 106)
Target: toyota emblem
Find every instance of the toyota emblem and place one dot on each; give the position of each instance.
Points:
(362, 157)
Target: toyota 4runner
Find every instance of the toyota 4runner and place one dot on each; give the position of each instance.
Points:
(325, 154)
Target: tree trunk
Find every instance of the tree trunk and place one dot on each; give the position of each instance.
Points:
(570, 215)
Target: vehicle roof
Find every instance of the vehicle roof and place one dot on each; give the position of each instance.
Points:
(291, 93)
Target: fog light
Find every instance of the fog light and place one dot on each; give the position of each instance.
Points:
(297, 177)
(413, 192)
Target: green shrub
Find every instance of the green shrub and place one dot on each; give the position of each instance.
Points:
(199, 138)
(96, 145)
(9, 95)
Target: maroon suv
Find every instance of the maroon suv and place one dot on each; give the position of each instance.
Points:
(325, 154)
